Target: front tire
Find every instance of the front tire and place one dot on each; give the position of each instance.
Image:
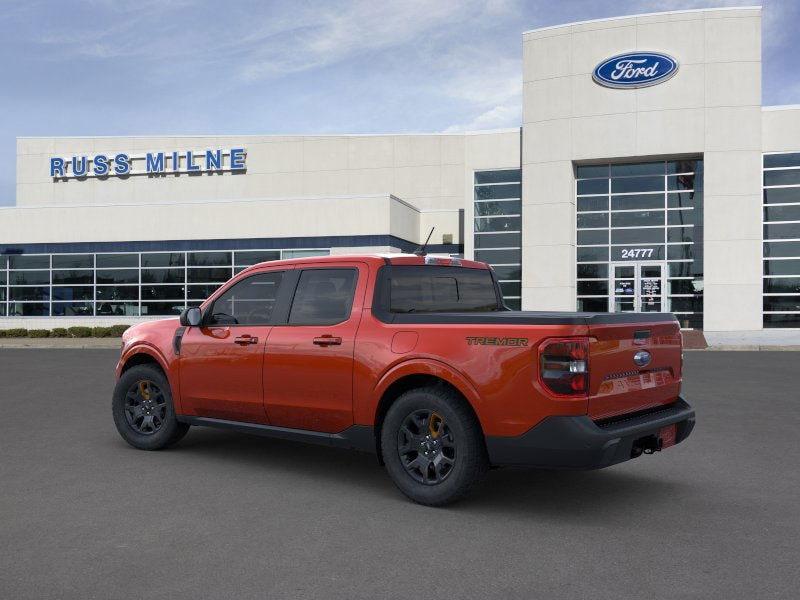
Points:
(143, 410)
(433, 446)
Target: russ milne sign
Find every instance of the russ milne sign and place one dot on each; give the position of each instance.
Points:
(635, 70)
(150, 163)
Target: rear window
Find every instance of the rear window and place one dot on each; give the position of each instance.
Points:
(441, 289)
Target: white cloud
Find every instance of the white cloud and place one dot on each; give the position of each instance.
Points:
(497, 117)
(326, 36)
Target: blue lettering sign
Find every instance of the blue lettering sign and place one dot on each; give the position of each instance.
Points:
(237, 159)
(56, 167)
(122, 166)
(635, 70)
(190, 166)
(213, 160)
(100, 163)
(154, 162)
(79, 166)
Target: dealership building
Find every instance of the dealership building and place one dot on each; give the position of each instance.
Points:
(645, 176)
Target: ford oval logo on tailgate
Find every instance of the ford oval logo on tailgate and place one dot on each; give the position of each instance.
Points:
(642, 358)
(635, 70)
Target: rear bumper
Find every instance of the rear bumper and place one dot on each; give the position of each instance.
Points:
(577, 442)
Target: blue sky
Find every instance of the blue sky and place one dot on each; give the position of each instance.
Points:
(104, 67)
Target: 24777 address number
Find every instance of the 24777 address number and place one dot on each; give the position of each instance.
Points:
(637, 252)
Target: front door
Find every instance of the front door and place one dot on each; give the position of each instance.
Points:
(308, 365)
(637, 287)
(221, 364)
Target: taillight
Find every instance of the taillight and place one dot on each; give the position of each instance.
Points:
(564, 366)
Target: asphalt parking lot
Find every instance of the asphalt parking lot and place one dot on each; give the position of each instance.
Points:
(83, 515)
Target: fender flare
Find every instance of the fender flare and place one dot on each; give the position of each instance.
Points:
(151, 350)
(426, 366)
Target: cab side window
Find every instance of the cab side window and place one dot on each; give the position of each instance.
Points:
(323, 297)
(251, 301)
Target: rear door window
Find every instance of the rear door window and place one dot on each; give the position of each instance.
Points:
(323, 297)
(441, 289)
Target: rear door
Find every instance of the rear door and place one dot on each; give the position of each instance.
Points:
(221, 364)
(308, 365)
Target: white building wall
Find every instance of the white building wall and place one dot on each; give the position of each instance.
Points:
(238, 219)
(712, 107)
(431, 172)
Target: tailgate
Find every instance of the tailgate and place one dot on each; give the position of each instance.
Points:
(621, 378)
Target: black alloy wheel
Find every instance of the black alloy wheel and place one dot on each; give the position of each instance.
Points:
(143, 411)
(145, 407)
(426, 446)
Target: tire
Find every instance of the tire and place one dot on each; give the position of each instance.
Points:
(453, 466)
(143, 410)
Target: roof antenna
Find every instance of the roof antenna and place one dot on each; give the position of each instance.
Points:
(421, 250)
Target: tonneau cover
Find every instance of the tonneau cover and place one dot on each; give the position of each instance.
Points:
(526, 317)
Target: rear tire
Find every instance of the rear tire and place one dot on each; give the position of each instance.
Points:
(433, 446)
(143, 410)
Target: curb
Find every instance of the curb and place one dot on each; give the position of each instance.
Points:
(58, 343)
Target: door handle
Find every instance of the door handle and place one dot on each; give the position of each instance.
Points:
(328, 340)
(244, 340)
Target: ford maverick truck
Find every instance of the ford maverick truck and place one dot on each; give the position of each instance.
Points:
(413, 358)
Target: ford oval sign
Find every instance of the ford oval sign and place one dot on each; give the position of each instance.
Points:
(635, 70)
(642, 358)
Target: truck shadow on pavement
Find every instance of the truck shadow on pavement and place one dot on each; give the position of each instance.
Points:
(611, 493)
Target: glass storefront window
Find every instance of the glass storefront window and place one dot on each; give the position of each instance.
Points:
(29, 277)
(117, 309)
(647, 215)
(501, 176)
(112, 261)
(497, 228)
(28, 309)
(73, 261)
(163, 275)
(498, 207)
(29, 293)
(209, 259)
(252, 257)
(72, 309)
(162, 308)
(162, 292)
(62, 277)
(117, 276)
(69, 292)
(108, 284)
(163, 259)
(29, 261)
(117, 292)
(781, 213)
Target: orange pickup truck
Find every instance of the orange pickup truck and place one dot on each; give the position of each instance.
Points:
(414, 358)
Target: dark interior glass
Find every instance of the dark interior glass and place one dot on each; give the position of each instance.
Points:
(501, 176)
(112, 261)
(28, 261)
(73, 261)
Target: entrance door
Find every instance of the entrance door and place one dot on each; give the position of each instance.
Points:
(637, 287)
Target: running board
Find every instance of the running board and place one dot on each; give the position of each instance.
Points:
(355, 437)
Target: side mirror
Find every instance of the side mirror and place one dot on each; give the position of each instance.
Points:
(191, 317)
